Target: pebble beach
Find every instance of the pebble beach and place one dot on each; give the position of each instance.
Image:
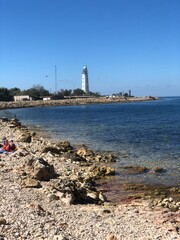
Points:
(48, 192)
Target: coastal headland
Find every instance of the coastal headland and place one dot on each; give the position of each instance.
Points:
(49, 191)
(73, 101)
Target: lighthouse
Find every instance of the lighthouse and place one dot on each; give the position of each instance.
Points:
(85, 82)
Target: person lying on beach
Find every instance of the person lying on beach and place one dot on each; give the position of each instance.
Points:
(9, 146)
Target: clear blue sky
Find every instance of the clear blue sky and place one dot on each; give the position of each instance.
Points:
(126, 44)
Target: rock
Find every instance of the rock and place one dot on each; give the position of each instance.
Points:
(102, 197)
(4, 119)
(40, 169)
(134, 169)
(111, 237)
(53, 150)
(74, 157)
(25, 137)
(93, 195)
(30, 183)
(43, 171)
(159, 170)
(60, 237)
(105, 157)
(22, 152)
(101, 171)
(86, 153)
(2, 221)
(15, 122)
(53, 197)
(65, 146)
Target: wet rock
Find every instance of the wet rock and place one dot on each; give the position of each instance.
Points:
(159, 170)
(86, 153)
(134, 169)
(101, 171)
(105, 157)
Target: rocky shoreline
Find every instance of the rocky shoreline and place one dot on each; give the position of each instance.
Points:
(73, 101)
(49, 191)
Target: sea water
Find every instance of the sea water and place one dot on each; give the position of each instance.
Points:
(139, 133)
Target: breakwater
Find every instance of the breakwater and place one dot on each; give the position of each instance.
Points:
(73, 101)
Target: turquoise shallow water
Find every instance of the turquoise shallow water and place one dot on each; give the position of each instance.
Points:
(148, 133)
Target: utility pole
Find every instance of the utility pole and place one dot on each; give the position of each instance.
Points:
(55, 79)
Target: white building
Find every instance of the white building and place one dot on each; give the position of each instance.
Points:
(85, 82)
(22, 98)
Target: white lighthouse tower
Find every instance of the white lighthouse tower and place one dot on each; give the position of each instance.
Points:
(85, 82)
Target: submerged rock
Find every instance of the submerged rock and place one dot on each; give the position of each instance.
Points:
(134, 169)
(159, 170)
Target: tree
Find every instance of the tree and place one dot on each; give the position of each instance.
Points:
(5, 95)
(78, 92)
(15, 91)
(67, 92)
(42, 91)
(36, 92)
(95, 94)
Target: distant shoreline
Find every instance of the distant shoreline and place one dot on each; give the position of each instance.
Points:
(73, 102)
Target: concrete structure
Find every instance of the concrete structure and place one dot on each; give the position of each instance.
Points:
(85, 81)
(46, 98)
(22, 98)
